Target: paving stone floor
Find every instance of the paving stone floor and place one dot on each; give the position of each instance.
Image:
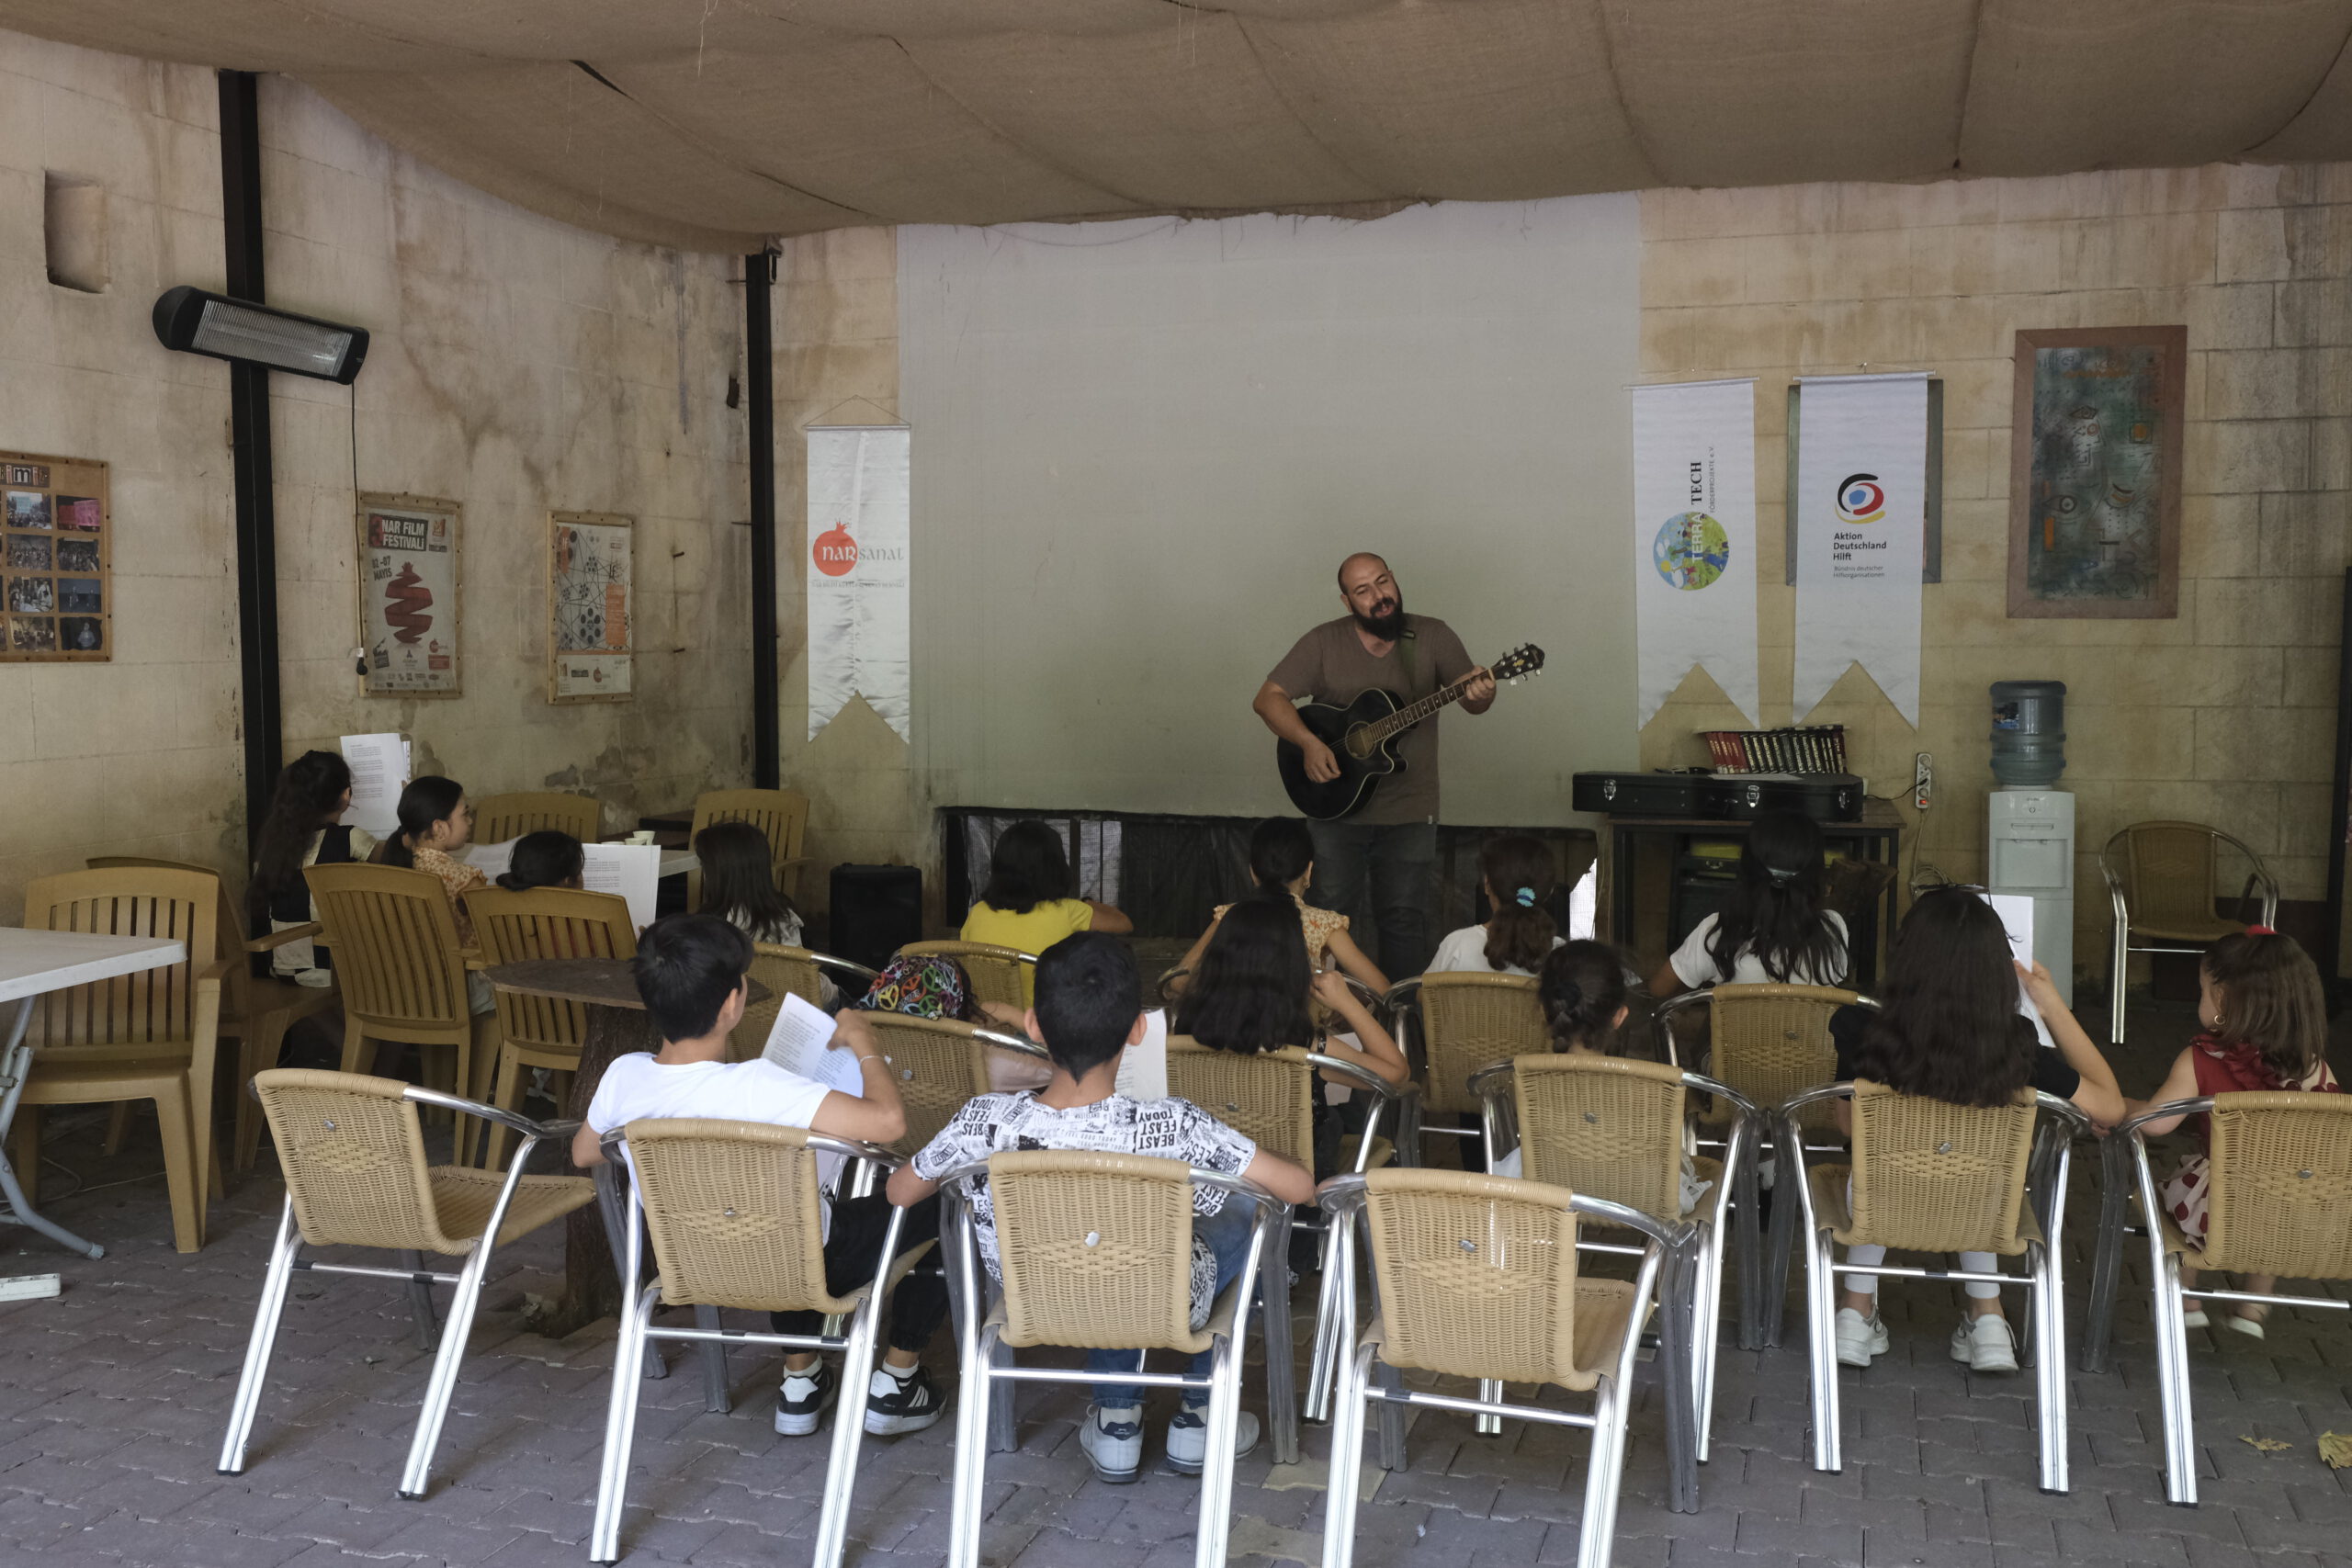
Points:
(112, 1400)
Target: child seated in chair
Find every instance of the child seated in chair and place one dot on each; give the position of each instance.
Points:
(693, 972)
(1089, 1010)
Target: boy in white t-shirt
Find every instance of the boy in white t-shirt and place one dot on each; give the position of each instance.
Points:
(693, 972)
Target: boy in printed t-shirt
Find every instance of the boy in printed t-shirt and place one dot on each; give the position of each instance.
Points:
(1089, 1010)
(693, 972)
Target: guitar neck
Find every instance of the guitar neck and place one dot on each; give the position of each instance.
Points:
(1404, 718)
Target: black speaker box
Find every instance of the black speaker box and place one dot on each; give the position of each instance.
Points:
(876, 911)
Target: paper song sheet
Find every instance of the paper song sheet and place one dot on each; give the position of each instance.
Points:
(493, 860)
(801, 1041)
(633, 871)
(1143, 1071)
(379, 770)
(2016, 911)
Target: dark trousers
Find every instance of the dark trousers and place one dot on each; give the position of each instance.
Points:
(920, 1303)
(1388, 871)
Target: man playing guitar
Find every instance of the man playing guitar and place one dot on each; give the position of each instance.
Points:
(1389, 848)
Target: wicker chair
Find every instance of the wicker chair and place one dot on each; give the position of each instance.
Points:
(499, 817)
(1466, 1021)
(402, 972)
(787, 971)
(2279, 1201)
(732, 1211)
(353, 1155)
(542, 1032)
(1613, 1129)
(1096, 1251)
(1270, 1099)
(1767, 1043)
(781, 814)
(940, 1064)
(150, 1035)
(2161, 882)
(1929, 1176)
(1475, 1277)
(999, 975)
(255, 1009)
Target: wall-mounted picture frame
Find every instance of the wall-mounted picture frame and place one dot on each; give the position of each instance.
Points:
(56, 560)
(2094, 473)
(410, 581)
(592, 607)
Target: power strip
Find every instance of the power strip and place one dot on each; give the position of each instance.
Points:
(28, 1288)
(1923, 780)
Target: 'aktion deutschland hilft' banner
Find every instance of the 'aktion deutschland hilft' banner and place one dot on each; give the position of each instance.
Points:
(1694, 539)
(1860, 525)
(858, 572)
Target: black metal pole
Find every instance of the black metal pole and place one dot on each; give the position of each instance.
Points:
(249, 444)
(759, 355)
(2339, 811)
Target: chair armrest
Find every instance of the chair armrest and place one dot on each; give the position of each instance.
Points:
(215, 972)
(1020, 1042)
(2131, 1126)
(845, 965)
(302, 932)
(1359, 1077)
(1492, 1081)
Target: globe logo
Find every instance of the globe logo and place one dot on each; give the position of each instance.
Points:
(1860, 499)
(1691, 551)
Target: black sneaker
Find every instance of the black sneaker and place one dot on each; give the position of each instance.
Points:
(801, 1403)
(897, 1405)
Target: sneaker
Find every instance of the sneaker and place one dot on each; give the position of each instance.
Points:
(1113, 1438)
(2249, 1326)
(2195, 1318)
(801, 1403)
(1860, 1338)
(1188, 1437)
(897, 1405)
(1985, 1344)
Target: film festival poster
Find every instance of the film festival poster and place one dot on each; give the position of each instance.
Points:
(592, 630)
(56, 560)
(409, 580)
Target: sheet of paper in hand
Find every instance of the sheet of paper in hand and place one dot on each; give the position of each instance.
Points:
(2016, 911)
(1143, 1071)
(801, 1041)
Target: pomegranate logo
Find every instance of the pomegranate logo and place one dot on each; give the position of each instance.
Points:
(834, 552)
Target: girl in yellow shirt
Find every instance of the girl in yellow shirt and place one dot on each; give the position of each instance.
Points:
(1028, 903)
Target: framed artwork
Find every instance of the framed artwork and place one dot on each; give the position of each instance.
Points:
(409, 585)
(2094, 472)
(591, 609)
(56, 560)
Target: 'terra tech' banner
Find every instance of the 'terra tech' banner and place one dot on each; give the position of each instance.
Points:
(1860, 523)
(1694, 539)
(858, 572)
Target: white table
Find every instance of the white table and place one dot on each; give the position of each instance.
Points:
(33, 963)
(677, 863)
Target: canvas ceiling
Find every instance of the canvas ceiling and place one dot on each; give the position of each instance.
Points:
(712, 124)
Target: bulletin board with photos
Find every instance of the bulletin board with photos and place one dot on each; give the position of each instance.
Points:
(56, 583)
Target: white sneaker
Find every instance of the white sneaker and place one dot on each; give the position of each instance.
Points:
(1188, 1437)
(1859, 1337)
(1112, 1441)
(1985, 1344)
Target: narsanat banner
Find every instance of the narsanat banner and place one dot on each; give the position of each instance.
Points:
(1861, 522)
(1694, 539)
(858, 572)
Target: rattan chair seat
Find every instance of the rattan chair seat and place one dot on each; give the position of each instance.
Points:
(1828, 1182)
(1223, 1314)
(1604, 1314)
(463, 1196)
(2194, 930)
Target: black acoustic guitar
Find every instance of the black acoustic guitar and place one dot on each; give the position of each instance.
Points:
(1362, 737)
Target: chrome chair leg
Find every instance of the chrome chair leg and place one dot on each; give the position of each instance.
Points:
(717, 1398)
(2049, 1368)
(971, 1450)
(1323, 1358)
(420, 1301)
(849, 1429)
(1676, 1359)
(2107, 1258)
(1780, 1239)
(1747, 1193)
(1281, 1372)
(1598, 1530)
(1821, 1345)
(620, 1428)
(2172, 1380)
(1216, 1465)
(263, 1341)
(1344, 1481)
(442, 1383)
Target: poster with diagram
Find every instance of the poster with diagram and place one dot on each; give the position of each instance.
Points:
(592, 615)
(56, 588)
(409, 580)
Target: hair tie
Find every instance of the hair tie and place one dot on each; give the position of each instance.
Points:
(1781, 875)
(1526, 897)
(2260, 930)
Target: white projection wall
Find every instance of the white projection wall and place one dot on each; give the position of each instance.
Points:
(1141, 449)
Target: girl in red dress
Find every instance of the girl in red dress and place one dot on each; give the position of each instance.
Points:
(2265, 1028)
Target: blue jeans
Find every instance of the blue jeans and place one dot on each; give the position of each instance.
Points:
(1227, 1232)
(1388, 871)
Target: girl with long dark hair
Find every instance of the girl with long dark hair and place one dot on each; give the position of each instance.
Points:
(1028, 902)
(303, 828)
(1950, 1028)
(548, 858)
(1775, 926)
(1519, 876)
(738, 883)
(1282, 865)
(437, 821)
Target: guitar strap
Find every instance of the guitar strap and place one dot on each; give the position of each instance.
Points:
(1406, 643)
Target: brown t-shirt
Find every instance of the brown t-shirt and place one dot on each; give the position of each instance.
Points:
(1329, 665)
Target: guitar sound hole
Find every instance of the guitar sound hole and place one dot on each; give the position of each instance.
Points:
(1359, 743)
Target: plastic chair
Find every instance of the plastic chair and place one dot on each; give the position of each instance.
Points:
(1269, 1098)
(353, 1155)
(781, 814)
(1475, 1277)
(255, 1009)
(397, 960)
(793, 971)
(542, 1032)
(151, 1035)
(1929, 1176)
(1467, 1022)
(997, 973)
(1613, 1129)
(732, 1211)
(500, 817)
(2279, 1201)
(1767, 1043)
(2161, 882)
(940, 1062)
(1096, 1253)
